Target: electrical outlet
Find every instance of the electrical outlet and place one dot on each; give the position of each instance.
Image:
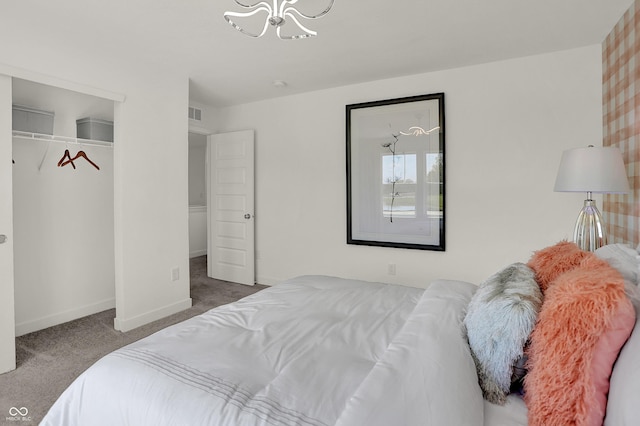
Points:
(175, 274)
(391, 269)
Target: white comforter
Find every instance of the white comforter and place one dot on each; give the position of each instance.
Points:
(311, 351)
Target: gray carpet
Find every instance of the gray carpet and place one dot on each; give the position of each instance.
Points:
(49, 360)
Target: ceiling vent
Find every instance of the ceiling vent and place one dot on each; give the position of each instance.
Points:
(195, 114)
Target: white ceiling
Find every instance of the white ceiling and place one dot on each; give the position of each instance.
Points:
(357, 41)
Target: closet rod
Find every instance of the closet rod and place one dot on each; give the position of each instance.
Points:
(63, 139)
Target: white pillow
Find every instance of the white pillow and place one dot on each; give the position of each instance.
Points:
(623, 258)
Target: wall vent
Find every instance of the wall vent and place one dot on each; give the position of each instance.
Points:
(195, 114)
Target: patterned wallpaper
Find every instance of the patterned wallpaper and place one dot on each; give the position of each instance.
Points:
(621, 120)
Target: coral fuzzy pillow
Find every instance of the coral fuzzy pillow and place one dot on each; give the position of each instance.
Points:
(555, 260)
(584, 322)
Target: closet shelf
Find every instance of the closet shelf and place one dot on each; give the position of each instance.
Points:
(62, 139)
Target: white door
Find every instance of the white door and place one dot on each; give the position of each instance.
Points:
(230, 202)
(7, 319)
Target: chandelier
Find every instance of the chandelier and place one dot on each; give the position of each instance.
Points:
(277, 16)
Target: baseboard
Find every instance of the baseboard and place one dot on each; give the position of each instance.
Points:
(140, 320)
(268, 281)
(197, 253)
(62, 317)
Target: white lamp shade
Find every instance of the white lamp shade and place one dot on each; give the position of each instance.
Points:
(592, 169)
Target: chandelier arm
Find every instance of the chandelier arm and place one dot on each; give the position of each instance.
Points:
(283, 6)
(307, 31)
(248, 6)
(284, 10)
(294, 37)
(266, 8)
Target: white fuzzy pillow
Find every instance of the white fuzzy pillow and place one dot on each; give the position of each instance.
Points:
(499, 320)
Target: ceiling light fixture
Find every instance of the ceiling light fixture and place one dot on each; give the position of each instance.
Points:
(277, 16)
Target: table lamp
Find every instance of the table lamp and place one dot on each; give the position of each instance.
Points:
(591, 170)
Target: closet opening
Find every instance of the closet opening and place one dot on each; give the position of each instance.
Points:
(63, 209)
(197, 195)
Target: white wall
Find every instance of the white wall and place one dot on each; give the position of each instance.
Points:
(150, 171)
(63, 234)
(197, 175)
(151, 197)
(507, 124)
(197, 231)
(208, 119)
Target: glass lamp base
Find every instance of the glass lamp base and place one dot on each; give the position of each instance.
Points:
(589, 233)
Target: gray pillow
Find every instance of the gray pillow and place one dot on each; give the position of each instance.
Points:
(499, 320)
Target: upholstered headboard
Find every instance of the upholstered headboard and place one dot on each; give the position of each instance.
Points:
(621, 120)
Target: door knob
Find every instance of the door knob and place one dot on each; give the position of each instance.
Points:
(247, 216)
(3, 239)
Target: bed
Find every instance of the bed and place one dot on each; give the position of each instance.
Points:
(313, 350)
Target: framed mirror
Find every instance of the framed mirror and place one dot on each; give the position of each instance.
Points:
(395, 173)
